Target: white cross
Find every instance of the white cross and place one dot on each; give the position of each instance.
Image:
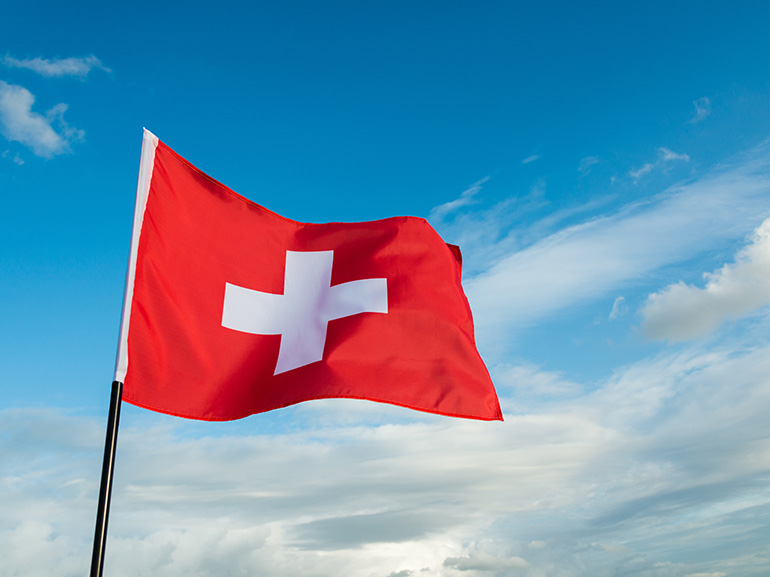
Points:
(301, 314)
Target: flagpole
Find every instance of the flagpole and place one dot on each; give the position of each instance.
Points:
(105, 491)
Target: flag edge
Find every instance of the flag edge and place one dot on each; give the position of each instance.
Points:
(146, 165)
(498, 416)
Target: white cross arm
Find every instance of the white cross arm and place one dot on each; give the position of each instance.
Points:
(251, 311)
(301, 315)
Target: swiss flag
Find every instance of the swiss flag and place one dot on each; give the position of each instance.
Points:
(231, 309)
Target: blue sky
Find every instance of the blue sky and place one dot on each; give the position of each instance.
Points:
(605, 169)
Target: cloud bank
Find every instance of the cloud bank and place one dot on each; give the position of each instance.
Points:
(660, 457)
(681, 311)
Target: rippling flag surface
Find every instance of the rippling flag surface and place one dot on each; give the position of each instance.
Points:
(231, 309)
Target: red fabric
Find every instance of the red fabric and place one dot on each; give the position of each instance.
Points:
(198, 235)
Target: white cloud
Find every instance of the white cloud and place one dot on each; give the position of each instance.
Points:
(19, 123)
(682, 311)
(665, 156)
(637, 174)
(614, 548)
(467, 197)
(58, 67)
(587, 162)
(530, 159)
(526, 385)
(619, 308)
(16, 159)
(702, 109)
(483, 561)
(33, 548)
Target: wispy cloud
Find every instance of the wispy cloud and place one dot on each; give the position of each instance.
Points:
(640, 172)
(604, 254)
(619, 308)
(682, 311)
(665, 156)
(486, 232)
(587, 162)
(525, 387)
(702, 109)
(16, 159)
(47, 135)
(531, 159)
(57, 67)
(467, 197)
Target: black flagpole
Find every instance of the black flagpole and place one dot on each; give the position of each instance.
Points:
(110, 444)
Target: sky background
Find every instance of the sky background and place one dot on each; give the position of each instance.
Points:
(605, 168)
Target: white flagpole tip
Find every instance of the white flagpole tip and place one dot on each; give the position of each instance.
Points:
(147, 135)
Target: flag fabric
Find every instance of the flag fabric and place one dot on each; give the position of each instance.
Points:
(231, 309)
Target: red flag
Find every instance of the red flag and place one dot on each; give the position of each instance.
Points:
(231, 309)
